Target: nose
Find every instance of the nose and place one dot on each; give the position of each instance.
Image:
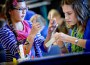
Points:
(23, 11)
(66, 17)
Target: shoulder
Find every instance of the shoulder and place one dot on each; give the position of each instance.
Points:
(5, 31)
(87, 31)
(7, 36)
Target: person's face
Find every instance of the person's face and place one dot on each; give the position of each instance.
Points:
(19, 12)
(70, 15)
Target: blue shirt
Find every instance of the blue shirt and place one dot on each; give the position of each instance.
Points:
(87, 36)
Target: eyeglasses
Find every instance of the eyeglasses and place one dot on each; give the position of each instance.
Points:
(21, 9)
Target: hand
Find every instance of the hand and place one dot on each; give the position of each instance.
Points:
(56, 36)
(58, 41)
(63, 37)
(52, 26)
(35, 28)
(40, 19)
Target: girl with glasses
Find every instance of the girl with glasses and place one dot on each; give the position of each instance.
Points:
(19, 31)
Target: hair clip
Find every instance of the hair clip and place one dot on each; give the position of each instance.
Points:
(15, 2)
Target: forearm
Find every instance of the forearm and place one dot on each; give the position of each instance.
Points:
(81, 42)
(28, 47)
(47, 39)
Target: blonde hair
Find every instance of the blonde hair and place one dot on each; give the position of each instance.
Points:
(53, 13)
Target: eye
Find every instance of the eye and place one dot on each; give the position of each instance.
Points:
(69, 13)
(20, 8)
(17, 8)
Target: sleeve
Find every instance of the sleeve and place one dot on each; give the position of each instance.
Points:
(87, 36)
(87, 31)
(40, 41)
(8, 40)
(88, 45)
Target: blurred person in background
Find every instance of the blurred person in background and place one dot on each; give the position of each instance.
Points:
(62, 25)
(53, 13)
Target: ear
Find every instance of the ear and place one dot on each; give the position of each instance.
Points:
(10, 11)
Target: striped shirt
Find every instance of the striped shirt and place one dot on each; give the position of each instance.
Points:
(38, 45)
(8, 40)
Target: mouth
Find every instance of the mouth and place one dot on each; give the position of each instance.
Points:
(68, 21)
(22, 16)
